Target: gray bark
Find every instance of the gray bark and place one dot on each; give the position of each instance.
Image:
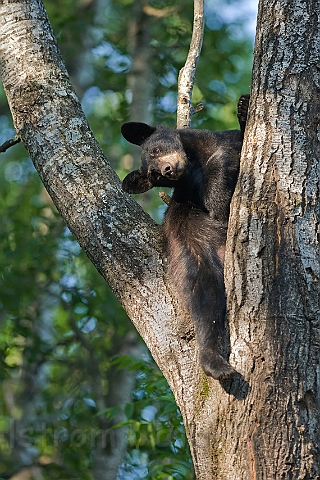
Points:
(273, 256)
(265, 423)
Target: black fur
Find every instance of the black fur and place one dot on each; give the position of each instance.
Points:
(202, 167)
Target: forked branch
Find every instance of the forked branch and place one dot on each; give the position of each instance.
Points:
(186, 75)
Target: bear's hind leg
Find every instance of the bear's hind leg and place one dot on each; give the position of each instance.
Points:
(210, 333)
(204, 294)
(214, 365)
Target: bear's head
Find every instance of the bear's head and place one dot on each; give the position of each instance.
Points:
(163, 157)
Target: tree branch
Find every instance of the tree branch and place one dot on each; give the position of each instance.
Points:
(186, 75)
(120, 239)
(164, 197)
(9, 143)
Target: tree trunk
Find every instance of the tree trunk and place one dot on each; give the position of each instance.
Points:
(111, 445)
(264, 424)
(272, 271)
(138, 78)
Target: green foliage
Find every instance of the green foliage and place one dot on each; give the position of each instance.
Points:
(63, 334)
(157, 446)
(61, 331)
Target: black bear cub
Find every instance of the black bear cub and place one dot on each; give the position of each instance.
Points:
(202, 167)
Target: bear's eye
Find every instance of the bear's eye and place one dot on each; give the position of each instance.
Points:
(156, 151)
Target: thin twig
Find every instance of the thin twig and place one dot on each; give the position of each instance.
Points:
(186, 75)
(9, 143)
(197, 108)
(164, 197)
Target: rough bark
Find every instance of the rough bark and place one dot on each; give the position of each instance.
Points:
(273, 262)
(264, 424)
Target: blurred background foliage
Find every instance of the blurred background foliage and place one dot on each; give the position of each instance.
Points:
(80, 397)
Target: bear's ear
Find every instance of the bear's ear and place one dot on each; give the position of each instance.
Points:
(136, 182)
(136, 132)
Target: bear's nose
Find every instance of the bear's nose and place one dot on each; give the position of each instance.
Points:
(166, 170)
